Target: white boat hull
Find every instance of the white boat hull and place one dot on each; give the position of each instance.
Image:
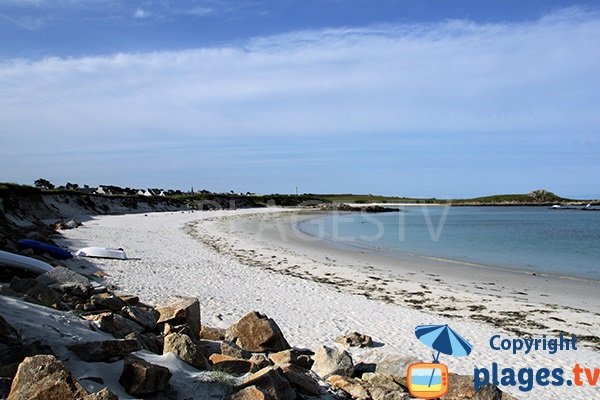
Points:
(102, 252)
(18, 261)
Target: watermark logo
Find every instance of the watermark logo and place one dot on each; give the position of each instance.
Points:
(527, 378)
(430, 380)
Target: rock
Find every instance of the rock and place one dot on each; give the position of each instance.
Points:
(216, 358)
(5, 387)
(104, 350)
(43, 377)
(251, 393)
(395, 365)
(183, 311)
(379, 393)
(231, 349)
(40, 293)
(130, 299)
(257, 333)
(186, 349)
(353, 387)
(183, 329)
(362, 368)
(7, 332)
(12, 354)
(381, 380)
(231, 365)
(272, 382)
(208, 333)
(331, 361)
(70, 224)
(260, 360)
(291, 356)
(103, 394)
(144, 317)
(148, 342)
(67, 281)
(141, 378)
(209, 348)
(8, 371)
(5, 290)
(461, 387)
(107, 301)
(114, 323)
(355, 339)
(489, 392)
(300, 379)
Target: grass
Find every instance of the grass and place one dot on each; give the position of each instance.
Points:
(533, 197)
(540, 197)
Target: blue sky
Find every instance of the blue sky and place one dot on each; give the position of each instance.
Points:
(415, 98)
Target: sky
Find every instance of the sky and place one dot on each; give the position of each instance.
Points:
(424, 98)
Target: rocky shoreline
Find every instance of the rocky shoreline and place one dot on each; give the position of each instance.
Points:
(251, 359)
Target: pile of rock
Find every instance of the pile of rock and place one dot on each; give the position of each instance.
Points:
(253, 352)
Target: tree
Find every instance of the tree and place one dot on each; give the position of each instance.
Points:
(44, 184)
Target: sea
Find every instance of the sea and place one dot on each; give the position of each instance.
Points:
(534, 239)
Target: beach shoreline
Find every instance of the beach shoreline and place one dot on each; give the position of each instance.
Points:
(219, 258)
(518, 301)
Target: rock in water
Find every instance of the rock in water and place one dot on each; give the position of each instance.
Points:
(43, 377)
(140, 378)
(257, 333)
(330, 361)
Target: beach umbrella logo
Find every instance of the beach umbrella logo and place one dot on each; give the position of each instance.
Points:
(430, 380)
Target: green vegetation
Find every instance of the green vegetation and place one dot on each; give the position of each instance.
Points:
(17, 189)
(208, 200)
(536, 197)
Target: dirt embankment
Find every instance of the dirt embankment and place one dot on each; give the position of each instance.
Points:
(33, 213)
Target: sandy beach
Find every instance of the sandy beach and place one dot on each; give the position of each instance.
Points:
(254, 259)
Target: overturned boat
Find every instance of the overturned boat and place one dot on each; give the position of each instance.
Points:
(102, 252)
(17, 261)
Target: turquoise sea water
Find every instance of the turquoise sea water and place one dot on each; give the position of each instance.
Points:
(536, 239)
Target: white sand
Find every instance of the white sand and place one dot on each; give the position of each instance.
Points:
(171, 257)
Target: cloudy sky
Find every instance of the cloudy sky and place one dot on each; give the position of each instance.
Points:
(406, 97)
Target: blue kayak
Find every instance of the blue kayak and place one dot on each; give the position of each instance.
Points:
(50, 249)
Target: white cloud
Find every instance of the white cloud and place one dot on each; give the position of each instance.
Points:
(28, 22)
(140, 13)
(534, 80)
(199, 11)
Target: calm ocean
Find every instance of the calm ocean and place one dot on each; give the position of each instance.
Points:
(536, 239)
